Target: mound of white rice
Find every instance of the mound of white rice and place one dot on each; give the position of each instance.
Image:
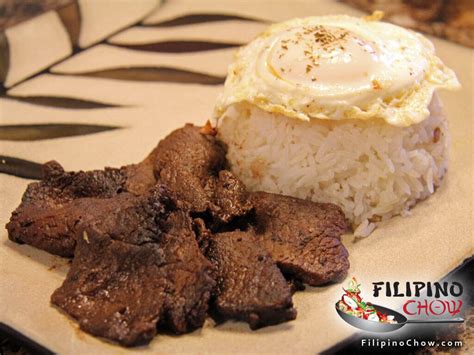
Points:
(372, 170)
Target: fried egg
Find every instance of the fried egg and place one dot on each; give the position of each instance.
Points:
(338, 67)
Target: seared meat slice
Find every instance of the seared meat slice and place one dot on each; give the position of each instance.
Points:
(249, 285)
(63, 186)
(50, 209)
(140, 177)
(303, 237)
(122, 290)
(191, 164)
(54, 227)
(45, 216)
(231, 196)
(126, 217)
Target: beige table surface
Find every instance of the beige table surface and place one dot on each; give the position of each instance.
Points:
(436, 238)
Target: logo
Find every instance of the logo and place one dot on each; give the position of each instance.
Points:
(376, 318)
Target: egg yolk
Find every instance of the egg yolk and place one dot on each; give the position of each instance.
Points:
(324, 58)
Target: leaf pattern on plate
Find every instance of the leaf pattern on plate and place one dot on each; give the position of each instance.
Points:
(199, 18)
(155, 74)
(34, 132)
(71, 19)
(60, 102)
(179, 46)
(4, 57)
(20, 167)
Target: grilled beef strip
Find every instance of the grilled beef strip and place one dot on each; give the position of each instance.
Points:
(250, 287)
(192, 165)
(303, 237)
(123, 288)
(51, 209)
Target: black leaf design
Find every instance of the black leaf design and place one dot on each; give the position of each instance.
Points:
(199, 18)
(60, 102)
(70, 16)
(33, 132)
(4, 57)
(179, 46)
(155, 74)
(21, 168)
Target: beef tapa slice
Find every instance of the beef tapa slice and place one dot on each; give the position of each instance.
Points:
(250, 287)
(303, 237)
(193, 166)
(123, 290)
(51, 208)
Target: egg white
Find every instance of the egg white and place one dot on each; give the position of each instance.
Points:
(338, 67)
